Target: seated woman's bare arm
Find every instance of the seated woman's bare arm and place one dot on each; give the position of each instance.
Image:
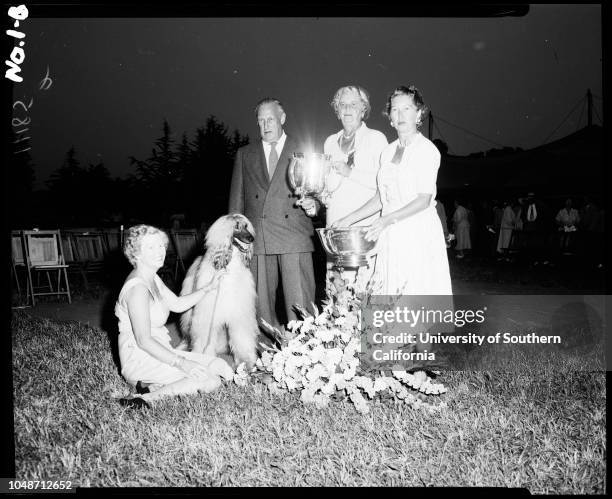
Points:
(179, 304)
(138, 301)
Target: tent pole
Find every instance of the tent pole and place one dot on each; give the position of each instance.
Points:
(589, 107)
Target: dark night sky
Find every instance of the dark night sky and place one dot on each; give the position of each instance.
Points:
(511, 80)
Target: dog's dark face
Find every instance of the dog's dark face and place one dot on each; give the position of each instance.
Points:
(229, 231)
(244, 234)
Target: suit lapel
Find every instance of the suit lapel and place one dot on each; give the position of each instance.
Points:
(263, 164)
(258, 161)
(283, 162)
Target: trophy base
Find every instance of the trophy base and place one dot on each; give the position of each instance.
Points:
(350, 261)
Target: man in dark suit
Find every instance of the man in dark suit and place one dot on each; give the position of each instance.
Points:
(283, 246)
(535, 217)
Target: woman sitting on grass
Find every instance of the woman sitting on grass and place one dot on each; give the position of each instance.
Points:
(142, 308)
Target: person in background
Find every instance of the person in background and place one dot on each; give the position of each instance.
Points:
(589, 220)
(567, 220)
(535, 230)
(507, 225)
(461, 225)
(494, 229)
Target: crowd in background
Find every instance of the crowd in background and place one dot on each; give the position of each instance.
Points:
(540, 231)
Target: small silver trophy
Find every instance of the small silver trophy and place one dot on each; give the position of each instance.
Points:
(308, 175)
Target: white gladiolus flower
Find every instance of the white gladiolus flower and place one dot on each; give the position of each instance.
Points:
(340, 321)
(328, 388)
(266, 358)
(321, 401)
(317, 354)
(240, 380)
(307, 396)
(343, 311)
(316, 372)
(325, 335)
(333, 355)
(321, 319)
(346, 335)
(291, 383)
(380, 384)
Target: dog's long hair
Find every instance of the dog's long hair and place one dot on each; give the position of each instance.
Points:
(226, 316)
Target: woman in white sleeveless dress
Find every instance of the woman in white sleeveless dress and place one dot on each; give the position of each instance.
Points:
(411, 250)
(142, 308)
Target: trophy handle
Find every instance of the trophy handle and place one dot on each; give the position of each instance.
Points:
(326, 241)
(291, 173)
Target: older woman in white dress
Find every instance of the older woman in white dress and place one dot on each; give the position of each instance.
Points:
(461, 224)
(145, 351)
(508, 224)
(355, 152)
(412, 257)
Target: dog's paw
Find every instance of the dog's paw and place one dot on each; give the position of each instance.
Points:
(220, 367)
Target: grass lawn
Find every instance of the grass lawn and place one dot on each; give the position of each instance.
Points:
(545, 432)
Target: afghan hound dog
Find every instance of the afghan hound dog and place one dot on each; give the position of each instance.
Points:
(226, 316)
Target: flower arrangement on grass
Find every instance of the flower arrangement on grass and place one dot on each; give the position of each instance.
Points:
(320, 357)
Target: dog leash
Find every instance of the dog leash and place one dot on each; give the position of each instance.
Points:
(212, 319)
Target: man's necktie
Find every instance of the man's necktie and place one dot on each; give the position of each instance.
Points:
(532, 213)
(272, 159)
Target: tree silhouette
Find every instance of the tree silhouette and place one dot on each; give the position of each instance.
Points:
(67, 194)
(80, 196)
(208, 177)
(160, 168)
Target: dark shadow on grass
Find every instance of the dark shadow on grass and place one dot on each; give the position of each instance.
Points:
(116, 269)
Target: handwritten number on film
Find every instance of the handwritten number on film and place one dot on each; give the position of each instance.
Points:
(18, 53)
(17, 56)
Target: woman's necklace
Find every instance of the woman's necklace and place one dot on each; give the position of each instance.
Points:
(347, 144)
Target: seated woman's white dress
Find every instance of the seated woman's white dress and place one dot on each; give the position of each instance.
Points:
(138, 365)
(412, 257)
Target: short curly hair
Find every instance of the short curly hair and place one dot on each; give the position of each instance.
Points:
(360, 91)
(417, 98)
(133, 240)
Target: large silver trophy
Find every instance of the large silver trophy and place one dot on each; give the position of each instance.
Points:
(347, 246)
(308, 175)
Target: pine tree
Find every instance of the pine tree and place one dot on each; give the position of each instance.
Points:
(160, 168)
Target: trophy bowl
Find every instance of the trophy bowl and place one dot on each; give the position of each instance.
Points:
(308, 174)
(347, 246)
